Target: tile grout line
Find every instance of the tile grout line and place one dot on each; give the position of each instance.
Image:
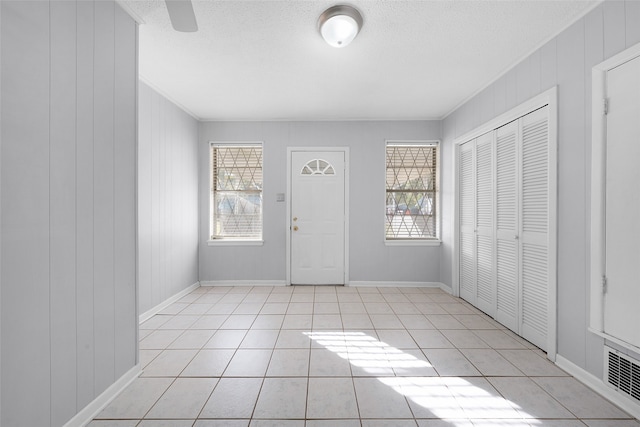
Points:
(496, 347)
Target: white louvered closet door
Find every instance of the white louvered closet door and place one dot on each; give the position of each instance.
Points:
(534, 231)
(467, 256)
(506, 198)
(507, 272)
(485, 280)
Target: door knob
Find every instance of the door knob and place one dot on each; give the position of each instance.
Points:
(295, 218)
(295, 228)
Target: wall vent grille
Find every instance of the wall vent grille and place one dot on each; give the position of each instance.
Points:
(622, 373)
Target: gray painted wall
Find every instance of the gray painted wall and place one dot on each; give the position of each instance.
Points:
(67, 159)
(565, 61)
(167, 199)
(370, 259)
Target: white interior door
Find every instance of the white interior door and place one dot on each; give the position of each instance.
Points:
(477, 283)
(317, 217)
(622, 204)
(507, 273)
(486, 289)
(467, 222)
(534, 227)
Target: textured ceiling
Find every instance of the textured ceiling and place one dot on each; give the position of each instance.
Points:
(265, 60)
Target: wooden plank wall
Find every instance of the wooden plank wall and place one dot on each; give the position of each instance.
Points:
(68, 224)
(167, 199)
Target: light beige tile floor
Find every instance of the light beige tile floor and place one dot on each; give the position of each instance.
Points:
(344, 357)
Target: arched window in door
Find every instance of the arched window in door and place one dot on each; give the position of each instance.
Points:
(317, 167)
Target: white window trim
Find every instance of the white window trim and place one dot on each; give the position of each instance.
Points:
(233, 241)
(412, 242)
(436, 241)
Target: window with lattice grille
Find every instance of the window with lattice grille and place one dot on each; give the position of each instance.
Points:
(412, 173)
(236, 191)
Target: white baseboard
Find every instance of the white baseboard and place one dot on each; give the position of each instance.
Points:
(597, 385)
(243, 283)
(90, 411)
(446, 288)
(166, 303)
(352, 283)
(383, 284)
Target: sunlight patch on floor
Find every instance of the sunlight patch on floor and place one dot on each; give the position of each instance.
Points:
(364, 351)
(447, 398)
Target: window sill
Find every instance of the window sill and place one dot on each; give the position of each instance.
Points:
(237, 242)
(408, 242)
(615, 340)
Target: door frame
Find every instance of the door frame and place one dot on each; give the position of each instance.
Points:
(290, 151)
(598, 189)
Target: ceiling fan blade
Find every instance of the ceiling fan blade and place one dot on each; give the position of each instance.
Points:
(182, 16)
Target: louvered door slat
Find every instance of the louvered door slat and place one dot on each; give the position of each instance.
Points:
(485, 282)
(467, 255)
(466, 186)
(484, 183)
(535, 223)
(506, 180)
(485, 287)
(534, 293)
(507, 283)
(467, 264)
(535, 173)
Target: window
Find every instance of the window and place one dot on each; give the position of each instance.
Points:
(412, 174)
(317, 167)
(236, 191)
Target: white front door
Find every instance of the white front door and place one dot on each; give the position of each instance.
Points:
(317, 217)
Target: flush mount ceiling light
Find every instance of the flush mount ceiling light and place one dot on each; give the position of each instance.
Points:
(339, 25)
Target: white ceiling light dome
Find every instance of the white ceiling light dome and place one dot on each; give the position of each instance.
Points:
(339, 25)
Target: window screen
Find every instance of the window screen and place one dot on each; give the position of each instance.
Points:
(236, 191)
(411, 190)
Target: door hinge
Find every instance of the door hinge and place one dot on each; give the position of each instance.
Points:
(605, 106)
(604, 284)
